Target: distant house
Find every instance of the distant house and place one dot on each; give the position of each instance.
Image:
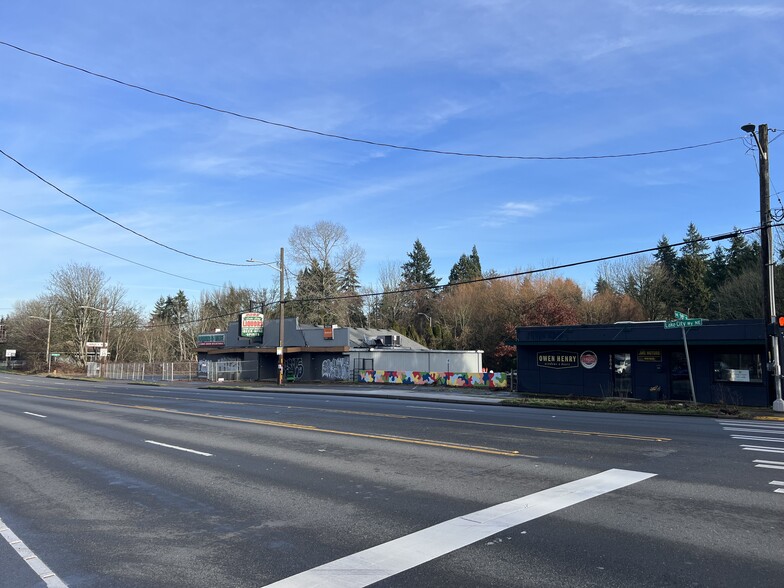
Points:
(318, 353)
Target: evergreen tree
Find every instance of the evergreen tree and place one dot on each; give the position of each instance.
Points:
(717, 269)
(349, 284)
(173, 311)
(741, 255)
(467, 268)
(603, 286)
(417, 271)
(695, 244)
(691, 274)
(666, 255)
(317, 289)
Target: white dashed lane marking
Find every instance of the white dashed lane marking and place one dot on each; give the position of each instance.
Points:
(178, 448)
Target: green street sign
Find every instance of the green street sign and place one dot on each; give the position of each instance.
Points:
(677, 324)
(55, 355)
(680, 316)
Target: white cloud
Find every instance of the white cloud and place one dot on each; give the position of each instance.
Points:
(734, 10)
(520, 209)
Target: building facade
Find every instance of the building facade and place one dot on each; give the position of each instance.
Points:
(647, 362)
(316, 353)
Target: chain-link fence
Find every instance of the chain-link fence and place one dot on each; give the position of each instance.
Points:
(230, 369)
(215, 371)
(152, 372)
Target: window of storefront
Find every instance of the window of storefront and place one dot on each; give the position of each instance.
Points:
(737, 367)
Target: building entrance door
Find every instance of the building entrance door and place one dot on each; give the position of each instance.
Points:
(622, 374)
(680, 389)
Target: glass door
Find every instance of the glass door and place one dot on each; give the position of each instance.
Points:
(622, 374)
(680, 389)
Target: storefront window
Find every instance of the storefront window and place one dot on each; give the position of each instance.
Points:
(737, 367)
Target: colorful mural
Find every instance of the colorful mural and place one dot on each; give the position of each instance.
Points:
(459, 380)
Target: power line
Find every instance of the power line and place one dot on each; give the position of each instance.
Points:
(105, 252)
(712, 238)
(355, 139)
(111, 220)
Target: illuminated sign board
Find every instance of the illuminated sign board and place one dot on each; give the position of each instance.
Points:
(251, 324)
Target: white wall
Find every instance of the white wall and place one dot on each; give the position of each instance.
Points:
(406, 360)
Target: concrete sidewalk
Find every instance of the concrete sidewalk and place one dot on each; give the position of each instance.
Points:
(390, 391)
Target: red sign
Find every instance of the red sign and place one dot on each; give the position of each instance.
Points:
(588, 360)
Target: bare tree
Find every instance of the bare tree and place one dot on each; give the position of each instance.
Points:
(85, 304)
(327, 271)
(387, 310)
(327, 244)
(640, 278)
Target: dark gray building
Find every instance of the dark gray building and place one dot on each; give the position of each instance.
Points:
(313, 353)
(647, 361)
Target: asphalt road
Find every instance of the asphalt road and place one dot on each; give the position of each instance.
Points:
(109, 484)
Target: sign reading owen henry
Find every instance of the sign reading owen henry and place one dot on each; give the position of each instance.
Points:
(557, 359)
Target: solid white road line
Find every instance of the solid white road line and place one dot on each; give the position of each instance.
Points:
(399, 555)
(40, 416)
(762, 449)
(32, 560)
(179, 448)
(749, 438)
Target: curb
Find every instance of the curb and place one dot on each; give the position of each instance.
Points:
(386, 396)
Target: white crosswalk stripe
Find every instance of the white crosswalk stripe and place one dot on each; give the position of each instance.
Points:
(771, 433)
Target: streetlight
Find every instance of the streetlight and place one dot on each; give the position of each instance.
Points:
(282, 269)
(48, 339)
(429, 318)
(766, 243)
(104, 333)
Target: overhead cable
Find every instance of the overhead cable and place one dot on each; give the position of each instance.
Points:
(712, 238)
(355, 139)
(119, 224)
(160, 271)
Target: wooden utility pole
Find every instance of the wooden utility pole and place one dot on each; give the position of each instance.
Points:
(768, 264)
(281, 333)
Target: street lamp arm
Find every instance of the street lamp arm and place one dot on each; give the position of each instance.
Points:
(104, 310)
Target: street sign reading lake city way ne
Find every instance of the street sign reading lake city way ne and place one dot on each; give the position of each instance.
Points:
(678, 323)
(682, 320)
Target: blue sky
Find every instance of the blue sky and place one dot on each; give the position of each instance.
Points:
(481, 76)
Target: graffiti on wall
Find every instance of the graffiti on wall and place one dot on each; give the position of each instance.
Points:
(491, 380)
(293, 368)
(338, 368)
